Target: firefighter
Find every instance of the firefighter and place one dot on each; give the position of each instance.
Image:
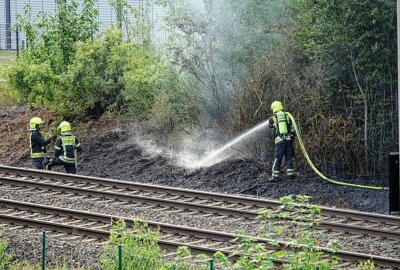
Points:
(65, 146)
(284, 135)
(37, 143)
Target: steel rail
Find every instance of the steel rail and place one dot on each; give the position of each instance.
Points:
(133, 198)
(346, 256)
(348, 215)
(228, 198)
(94, 233)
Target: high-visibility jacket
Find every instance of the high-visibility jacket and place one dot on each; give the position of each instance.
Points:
(65, 147)
(273, 123)
(37, 144)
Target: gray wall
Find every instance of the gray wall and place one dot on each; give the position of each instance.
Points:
(106, 17)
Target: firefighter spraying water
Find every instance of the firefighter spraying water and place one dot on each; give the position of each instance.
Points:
(284, 135)
(285, 127)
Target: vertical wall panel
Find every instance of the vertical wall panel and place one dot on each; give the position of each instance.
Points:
(106, 17)
(2, 23)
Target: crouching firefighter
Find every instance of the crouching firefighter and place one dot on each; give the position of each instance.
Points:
(65, 146)
(284, 135)
(37, 143)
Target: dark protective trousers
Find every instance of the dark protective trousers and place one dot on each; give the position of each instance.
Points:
(40, 163)
(69, 167)
(283, 149)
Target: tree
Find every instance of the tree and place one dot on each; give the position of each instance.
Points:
(355, 40)
(217, 42)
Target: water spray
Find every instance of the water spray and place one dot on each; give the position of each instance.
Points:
(212, 157)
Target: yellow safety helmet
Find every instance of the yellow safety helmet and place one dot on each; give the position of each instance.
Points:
(35, 123)
(64, 127)
(276, 106)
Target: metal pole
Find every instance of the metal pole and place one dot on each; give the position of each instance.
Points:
(398, 69)
(44, 250)
(17, 40)
(211, 264)
(119, 257)
(8, 25)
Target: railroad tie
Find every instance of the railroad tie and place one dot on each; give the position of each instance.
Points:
(73, 222)
(107, 201)
(181, 210)
(356, 236)
(102, 226)
(121, 203)
(197, 242)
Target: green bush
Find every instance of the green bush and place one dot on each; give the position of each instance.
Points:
(5, 256)
(140, 251)
(106, 75)
(139, 245)
(35, 83)
(177, 103)
(8, 97)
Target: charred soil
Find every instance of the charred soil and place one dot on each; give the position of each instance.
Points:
(111, 151)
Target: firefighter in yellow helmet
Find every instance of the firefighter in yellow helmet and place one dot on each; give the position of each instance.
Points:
(284, 135)
(65, 146)
(37, 143)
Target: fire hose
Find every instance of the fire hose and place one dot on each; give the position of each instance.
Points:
(303, 149)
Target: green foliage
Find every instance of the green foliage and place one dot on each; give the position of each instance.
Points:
(7, 58)
(301, 252)
(355, 43)
(139, 245)
(35, 83)
(78, 74)
(52, 37)
(177, 103)
(135, 22)
(217, 42)
(141, 251)
(366, 265)
(8, 97)
(5, 256)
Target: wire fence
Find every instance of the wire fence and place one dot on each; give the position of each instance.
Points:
(11, 40)
(49, 244)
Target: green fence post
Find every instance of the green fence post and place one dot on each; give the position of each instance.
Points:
(44, 250)
(119, 257)
(211, 264)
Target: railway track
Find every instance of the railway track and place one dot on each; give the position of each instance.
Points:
(66, 222)
(246, 209)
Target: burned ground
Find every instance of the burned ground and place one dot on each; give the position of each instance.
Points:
(113, 153)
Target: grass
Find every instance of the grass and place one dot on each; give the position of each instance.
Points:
(7, 57)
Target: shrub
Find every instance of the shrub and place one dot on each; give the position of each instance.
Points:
(5, 256)
(8, 97)
(139, 245)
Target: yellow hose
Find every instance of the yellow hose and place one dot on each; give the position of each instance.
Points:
(317, 171)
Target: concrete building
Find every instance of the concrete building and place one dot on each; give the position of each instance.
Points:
(10, 8)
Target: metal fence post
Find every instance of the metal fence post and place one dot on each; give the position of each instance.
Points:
(17, 41)
(119, 257)
(211, 264)
(394, 183)
(43, 250)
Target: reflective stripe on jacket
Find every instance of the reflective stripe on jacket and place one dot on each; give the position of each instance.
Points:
(65, 148)
(37, 144)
